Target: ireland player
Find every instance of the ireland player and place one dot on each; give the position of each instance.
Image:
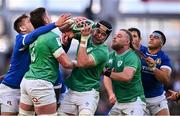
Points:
(84, 82)
(123, 77)
(37, 91)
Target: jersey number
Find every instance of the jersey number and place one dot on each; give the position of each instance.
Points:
(33, 56)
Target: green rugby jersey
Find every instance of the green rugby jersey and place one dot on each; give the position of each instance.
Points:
(43, 62)
(127, 91)
(85, 79)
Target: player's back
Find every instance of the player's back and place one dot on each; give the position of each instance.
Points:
(43, 64)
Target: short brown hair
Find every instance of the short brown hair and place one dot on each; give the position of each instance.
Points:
(36, 17)
(18, 22)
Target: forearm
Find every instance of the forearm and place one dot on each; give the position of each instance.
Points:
(120, 76)
(161, 76)
(82, 56)
(69, 64)
(108, 85)
(65, 61)
(31, 37)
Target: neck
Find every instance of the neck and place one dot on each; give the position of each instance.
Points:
(138, 46)
(153, 51)
(122, 50)
(96, 43)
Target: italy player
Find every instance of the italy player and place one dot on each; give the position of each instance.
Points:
(156, 71)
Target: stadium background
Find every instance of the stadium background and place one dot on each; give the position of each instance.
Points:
(146, 15)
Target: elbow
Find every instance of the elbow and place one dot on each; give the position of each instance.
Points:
(67, 65)
(129, 78)
(80, 65)
(167, 81)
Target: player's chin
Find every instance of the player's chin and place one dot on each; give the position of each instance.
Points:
(150, 45)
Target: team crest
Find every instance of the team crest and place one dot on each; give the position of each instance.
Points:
(119, 63)
(158, 61)
(110, 61)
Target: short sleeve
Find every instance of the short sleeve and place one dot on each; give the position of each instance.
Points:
(100, 55)
(55, 46)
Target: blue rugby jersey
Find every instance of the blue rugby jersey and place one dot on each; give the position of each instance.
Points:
(20, 60)
(142, 48)
(153, 87)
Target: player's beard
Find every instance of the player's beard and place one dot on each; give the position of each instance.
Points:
(116, 47)
(154, 47)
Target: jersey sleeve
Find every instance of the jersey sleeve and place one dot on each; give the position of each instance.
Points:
(109, 63)
(100, 55)
(166, 63)
(132, 61)
(55, 46)
(31, 37)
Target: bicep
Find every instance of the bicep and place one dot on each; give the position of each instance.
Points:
(90, 61)
(129, 71)
(62, 58)
(166, 70)
(99, 56)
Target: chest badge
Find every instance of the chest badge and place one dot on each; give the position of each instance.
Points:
(119, 63)
(158, 61)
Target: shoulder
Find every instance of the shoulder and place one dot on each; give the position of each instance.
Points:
(131, 53)
(19, 41)
(131, 56)
(50, 34)
(112, 53)
(101, 49)
(19, 36)
(104, 47)
(143, 48)
(163, 54)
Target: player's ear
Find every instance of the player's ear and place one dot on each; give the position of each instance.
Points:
(22, 28)
(46, 21)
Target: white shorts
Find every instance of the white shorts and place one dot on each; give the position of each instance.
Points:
(9, 99)
(132, 108)
(74, 101)
(156, 104)
(37, 92)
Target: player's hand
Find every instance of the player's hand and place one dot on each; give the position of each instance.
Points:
(66, 37)
(112, 98)
(151, 63)
(86, 32)
(62, 20)
(171, 95)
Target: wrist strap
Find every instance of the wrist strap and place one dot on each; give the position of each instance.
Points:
(85, 38)
(83, 45)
